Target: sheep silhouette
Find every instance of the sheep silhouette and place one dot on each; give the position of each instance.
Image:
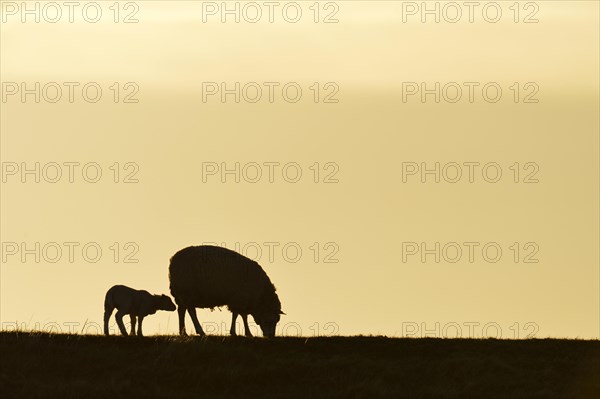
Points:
(136, 303)
(207, 276)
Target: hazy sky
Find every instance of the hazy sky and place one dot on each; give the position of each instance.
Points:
(351, 242)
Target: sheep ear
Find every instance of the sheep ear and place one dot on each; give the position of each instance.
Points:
(281, 312)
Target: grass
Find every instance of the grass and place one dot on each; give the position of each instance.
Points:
(43, 365)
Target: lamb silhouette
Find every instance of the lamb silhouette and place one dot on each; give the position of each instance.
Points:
(136, 303)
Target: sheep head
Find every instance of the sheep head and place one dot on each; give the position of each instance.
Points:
(164, 302)
(268, 314)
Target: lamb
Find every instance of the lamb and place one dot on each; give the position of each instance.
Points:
(208, 276)
(136, 303)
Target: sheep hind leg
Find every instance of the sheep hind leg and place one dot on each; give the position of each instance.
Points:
(181, 313)
(107, 313)
(233, 319)
(246, 328)
(119, 317)
(197, 326)
(132, 332)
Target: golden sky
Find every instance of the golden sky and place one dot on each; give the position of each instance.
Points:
(357, 220)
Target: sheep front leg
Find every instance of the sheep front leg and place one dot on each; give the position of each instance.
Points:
(119, 317)
(233, 318)
(246, 328)
(181, 313)
(132, 324)
(197, 326)
(140, 319)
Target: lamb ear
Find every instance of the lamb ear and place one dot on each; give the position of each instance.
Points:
(281, 312)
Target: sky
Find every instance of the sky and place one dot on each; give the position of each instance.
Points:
(392, 174)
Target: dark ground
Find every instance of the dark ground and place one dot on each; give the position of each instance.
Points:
(74, 366)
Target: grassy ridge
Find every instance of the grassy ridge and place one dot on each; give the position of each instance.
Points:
(74, 366)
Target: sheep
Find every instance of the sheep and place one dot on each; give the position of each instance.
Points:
(136, 303)
(208, 276)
